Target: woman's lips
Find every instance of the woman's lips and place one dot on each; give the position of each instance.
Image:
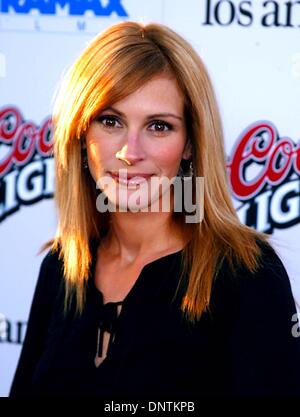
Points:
(130, 179)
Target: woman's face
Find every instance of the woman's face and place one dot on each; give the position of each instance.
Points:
(141, 136)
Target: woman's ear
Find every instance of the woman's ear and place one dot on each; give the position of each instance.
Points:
(187, 152)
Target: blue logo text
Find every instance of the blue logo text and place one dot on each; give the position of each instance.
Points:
(76, 7)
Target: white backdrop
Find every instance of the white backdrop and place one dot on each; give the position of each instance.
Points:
(252, 51)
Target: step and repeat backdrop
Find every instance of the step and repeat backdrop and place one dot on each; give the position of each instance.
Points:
(252, 51)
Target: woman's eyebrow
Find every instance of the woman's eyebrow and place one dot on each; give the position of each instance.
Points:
(164, 114)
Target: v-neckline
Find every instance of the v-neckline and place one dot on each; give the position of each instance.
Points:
(97, 295)
(137, 282)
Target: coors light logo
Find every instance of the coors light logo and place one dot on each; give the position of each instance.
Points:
(264, 173)
(26, 168)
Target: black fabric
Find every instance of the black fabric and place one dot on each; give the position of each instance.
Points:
(108, 319)
(243, 347)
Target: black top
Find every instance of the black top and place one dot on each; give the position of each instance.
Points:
(245, 346)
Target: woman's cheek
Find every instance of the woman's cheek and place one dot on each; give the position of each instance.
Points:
(94, 159)
(169, 158)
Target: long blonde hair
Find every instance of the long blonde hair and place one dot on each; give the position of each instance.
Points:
(115, 64)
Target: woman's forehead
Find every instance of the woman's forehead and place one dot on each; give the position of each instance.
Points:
(162, 90)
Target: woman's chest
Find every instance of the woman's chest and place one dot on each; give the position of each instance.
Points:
(151, 343)
(113, 280)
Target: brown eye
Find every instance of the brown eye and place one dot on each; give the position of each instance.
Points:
(160, 126)
(108, 121)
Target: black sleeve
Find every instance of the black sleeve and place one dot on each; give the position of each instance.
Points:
(39, 317)
(257, 343)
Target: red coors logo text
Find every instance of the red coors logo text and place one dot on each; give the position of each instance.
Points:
(276, 158)
(264, 172)
(24, 138)
(26, 169)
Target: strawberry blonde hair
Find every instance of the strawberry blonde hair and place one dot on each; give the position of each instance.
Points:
(115, 64)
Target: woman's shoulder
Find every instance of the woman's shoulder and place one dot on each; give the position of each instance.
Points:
(51, 272)
(268, 284)
(269, 268)
(51, 258)
(52, 262)
(254, 321)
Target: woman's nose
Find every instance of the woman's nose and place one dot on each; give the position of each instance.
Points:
(131, 151)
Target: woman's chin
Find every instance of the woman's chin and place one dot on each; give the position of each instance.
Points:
(133, 205)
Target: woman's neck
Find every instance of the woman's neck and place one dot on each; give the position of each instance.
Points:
(133, 236)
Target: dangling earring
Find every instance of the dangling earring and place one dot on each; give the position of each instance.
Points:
(186, 168)
(180, 172)
(191, 168)
(84, 157)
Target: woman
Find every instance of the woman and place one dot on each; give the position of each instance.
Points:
(137, 302)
